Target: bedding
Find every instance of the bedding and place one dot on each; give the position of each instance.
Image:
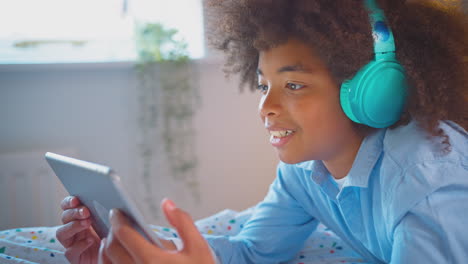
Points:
(39, 245)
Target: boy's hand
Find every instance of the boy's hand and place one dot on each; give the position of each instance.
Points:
(126, 245)
(76, 234)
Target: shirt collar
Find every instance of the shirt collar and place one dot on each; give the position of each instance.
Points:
(368, 154)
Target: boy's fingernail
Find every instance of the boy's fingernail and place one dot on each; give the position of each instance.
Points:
(113, 214)
(170, 204)
(81, 212)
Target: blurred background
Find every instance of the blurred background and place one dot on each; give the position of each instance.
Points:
(128, 84)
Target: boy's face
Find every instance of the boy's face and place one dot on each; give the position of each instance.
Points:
(300, 104)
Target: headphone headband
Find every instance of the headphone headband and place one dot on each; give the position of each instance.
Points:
(376, 95)
(384, 44)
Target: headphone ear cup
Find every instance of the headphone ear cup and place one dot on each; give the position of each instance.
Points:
(376, 95)
(381, 94)
(345, 91)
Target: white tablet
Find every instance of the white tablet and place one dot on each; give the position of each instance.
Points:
(99, 188)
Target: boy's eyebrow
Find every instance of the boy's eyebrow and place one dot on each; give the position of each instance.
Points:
(288, 68)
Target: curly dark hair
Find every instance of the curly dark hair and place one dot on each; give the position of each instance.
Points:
(431, 39)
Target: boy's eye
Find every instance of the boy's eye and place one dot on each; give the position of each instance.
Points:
(262, 88)
(294, 86)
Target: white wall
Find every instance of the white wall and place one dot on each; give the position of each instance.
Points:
(92, 109)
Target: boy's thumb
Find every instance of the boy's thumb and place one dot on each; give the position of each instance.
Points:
(183, 222)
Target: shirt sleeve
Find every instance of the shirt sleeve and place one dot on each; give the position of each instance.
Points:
(435, 230)
(276, 231)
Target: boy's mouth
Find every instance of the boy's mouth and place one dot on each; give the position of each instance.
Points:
(281, 133)
(279, 138)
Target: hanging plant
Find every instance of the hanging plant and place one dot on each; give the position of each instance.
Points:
(168, 98)
(155, 44)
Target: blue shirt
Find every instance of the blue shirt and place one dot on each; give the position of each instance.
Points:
(403, 202)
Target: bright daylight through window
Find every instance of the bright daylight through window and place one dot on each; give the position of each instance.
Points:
(67, 31)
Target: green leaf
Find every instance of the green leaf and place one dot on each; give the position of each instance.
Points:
(155, 43)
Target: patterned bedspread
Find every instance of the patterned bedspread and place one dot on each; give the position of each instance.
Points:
(39, 244)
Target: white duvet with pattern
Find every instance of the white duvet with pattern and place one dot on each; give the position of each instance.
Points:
(39, 245)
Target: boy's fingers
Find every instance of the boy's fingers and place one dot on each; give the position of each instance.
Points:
(69, 202)
(183, 222)
(66, 233)
(116, 252)
(102, 256)
(88, 233)
(73, 253)
(168, 244)
(80, 212)
(137, 246)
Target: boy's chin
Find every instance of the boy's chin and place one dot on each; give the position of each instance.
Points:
(290, 159)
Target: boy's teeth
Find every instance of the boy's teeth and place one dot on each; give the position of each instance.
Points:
(282, 133)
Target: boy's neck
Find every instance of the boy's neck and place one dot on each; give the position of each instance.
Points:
(340, 165)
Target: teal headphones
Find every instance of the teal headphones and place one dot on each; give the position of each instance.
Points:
(376, 95)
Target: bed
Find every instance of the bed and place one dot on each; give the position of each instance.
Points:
(39, 245)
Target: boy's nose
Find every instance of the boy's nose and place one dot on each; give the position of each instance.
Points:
(270, 104)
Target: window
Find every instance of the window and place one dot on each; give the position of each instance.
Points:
(49, 31)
